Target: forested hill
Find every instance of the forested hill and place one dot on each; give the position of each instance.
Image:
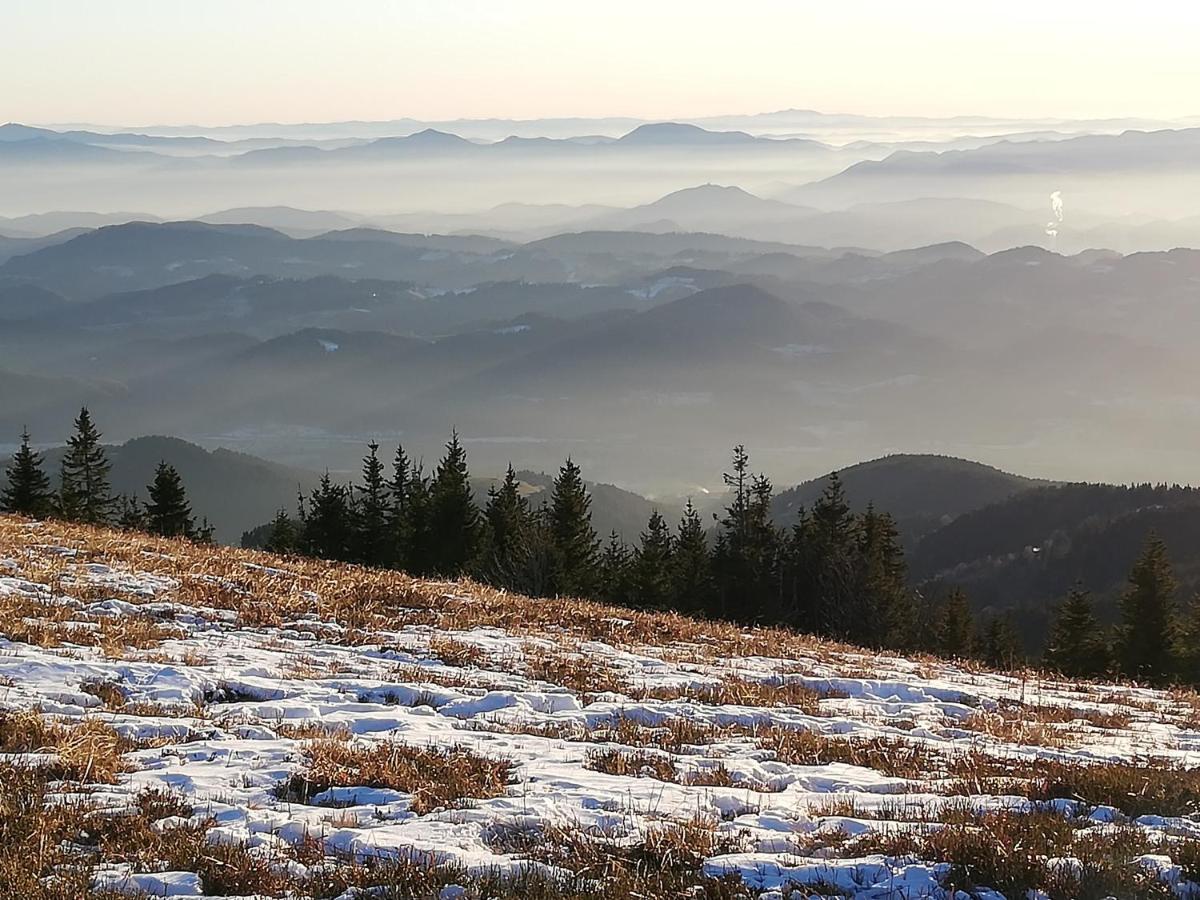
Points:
(922, 492)
(1028, 551)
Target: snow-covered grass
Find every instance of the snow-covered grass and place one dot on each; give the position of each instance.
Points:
(178, 720)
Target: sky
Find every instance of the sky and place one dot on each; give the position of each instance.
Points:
(215, 62)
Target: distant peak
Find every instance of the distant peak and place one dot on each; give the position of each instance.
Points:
(681, 132)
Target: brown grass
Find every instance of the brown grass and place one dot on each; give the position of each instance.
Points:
(733, 691)
(267, 590)
(632, 763)
(85, 751)
(897, 758)
(437, 778)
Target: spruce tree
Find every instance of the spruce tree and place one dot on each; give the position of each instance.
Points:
(998, 645)
(830, 553)
(652, 565)
(327, 526)
(885, 609)
(1147, 634)
(85, 495)
(615, 572)
(574, 543)
(168, 513)
(746, 555)
(27, 492)
(417, 530)
(454, 523)
(399, 493)
(372, 528)
(205, 532)
(508, 524)
(954, 629)
(1188, 647)
(130, 515)
(283, 536)
(691, 565)
(1077, 646)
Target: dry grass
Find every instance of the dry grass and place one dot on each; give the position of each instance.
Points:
(1044, 726)
(85, 751)
(632, 763)
(436, 778)
(646, 764)
(267, 590)
(661, 862)
(733, 691)
(897, 758)
(107, 692)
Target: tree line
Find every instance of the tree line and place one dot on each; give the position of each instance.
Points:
(832, 572)
(84, 493)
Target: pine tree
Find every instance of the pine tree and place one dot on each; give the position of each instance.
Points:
(454, 523)
(615, 572)
(28, 490)
(327, 527)
(691, 565)
(573, 541)
(372, 529)
(168, 513)
(1147, 635)
(652, 565)
(998, 645)
(283, 536)
(1077, 646)
(954, 629)
(85, 495)
(508, 524)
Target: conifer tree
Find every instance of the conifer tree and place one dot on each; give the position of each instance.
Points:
(998, 645)
(1147, 635)
(508, 524)
(1077, 646)
(691, 565)
(130, 514)
(85, 495)
(954, 628)
(204, 532)
(454, 523)
(27, 492)
(399, 493)
(746, 555)
(372, 531)
(884, 604)
(828, 544)
(417, 522)
(652, 565)
(168, 513)
(327, 527)
(1188, 647)
(283, 536)
(615, 575)
(574, 543)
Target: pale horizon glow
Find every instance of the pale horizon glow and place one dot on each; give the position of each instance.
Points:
(176, 62)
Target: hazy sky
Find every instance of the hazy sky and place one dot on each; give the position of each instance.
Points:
(227, 61)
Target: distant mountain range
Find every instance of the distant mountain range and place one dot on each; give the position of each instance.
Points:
(386, 174)
(602, 339)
